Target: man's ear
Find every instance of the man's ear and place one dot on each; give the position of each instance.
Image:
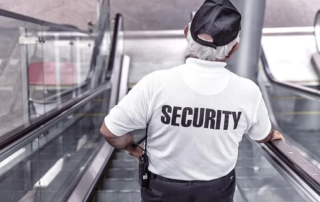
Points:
(186, 29)
(234, 49)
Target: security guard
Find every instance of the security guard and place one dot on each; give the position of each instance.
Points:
(196, 115)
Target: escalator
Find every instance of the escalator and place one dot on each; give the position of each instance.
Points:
(56, 136)
(120, 179)
(263, 173)
(65, 158)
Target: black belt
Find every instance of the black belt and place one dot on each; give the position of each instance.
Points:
(152, 175)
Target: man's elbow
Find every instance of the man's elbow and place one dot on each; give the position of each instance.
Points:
(104, 130)
(268, 138)
(101, 131)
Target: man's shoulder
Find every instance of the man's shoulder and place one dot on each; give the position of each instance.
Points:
(161, 74)
(246, 84)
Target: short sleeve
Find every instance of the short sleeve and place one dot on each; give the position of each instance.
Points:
(261, 126)
(131, 112)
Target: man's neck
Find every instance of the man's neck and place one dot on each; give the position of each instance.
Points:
(216, 60)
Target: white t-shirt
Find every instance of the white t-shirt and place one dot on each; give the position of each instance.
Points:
(197, 114)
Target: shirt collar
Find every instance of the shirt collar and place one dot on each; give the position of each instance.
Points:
(204, 65)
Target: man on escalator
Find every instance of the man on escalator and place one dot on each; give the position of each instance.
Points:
(196, 114)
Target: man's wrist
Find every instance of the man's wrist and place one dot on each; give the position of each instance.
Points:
(273, 134)
(130, 148)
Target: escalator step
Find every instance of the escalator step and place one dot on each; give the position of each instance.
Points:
(121, 185)
(104, 196)
(123, 173)
(132, 163)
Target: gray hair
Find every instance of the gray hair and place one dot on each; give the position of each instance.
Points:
(208, 53)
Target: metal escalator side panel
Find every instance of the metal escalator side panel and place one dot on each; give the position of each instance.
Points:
(289, 155)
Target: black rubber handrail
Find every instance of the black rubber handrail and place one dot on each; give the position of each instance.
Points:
(52, 98)
(311, 180)
(117, 29)
(113, 52)
(308, 178)
(28, 19)
(317, 37)
(95, 52)
(6, 141)
(24, 18)
(290, 86)
(93, 62)
(64, 113)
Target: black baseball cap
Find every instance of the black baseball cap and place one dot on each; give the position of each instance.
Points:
(218, 18)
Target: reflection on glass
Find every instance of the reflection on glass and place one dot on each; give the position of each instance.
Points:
(298, 117)
(83, 48)
(65, 67)
(59, 69)
(18, 173)
(34, 67)
(41, 69)
(17, 37)
(317, 30)
(44, 169)
(258, 180)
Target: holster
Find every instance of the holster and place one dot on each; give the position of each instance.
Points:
(143, 162)
(143, 170)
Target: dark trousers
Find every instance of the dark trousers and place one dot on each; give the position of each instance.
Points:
(163, 190)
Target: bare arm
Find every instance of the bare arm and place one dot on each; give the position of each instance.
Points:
(123, 142)
(118, 142)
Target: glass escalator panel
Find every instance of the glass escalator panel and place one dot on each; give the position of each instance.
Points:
(42, 68)
(298, 116)
(62, 71)
(258, 180)
(14, 109)
(46, 167)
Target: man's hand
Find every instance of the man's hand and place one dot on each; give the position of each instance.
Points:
(276, 135)
(273, 135)
(135, 151)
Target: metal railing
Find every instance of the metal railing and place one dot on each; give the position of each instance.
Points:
(32, 20)
(317, 30)
(40, 102)
(89, 181)
(98, 149)
(296, 164)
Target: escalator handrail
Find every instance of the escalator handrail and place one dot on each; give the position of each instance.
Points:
(118, 27)
(20, 134)
(301, 166)
(13, 136)
(86, 82)
(32, 20)
(11, 141)
(7, 152)
(316, 31)
(293, 174)
(287, 85)
(52, 98)
(95, 53)
(52, 121)
(24, 18)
